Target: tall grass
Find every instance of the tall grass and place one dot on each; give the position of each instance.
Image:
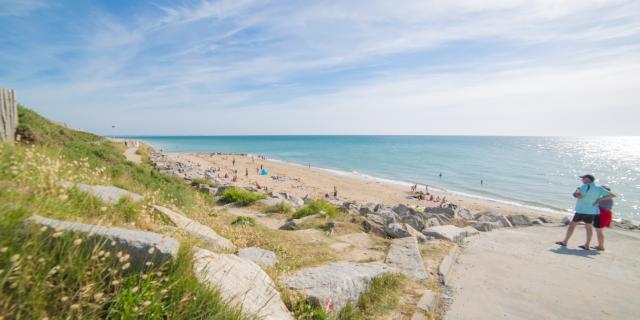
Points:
(240, 196)
(45, 274)
(281, 207)
(319, 207)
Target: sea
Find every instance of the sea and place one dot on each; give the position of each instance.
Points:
(535, 172)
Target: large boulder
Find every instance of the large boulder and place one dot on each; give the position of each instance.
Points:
(270, 202)
(502, 220)
(142, 246)
(396, 230)
(403, 210)
(242, 283)
(446, 210)
(336, 284)
(367, 208)
(519, 220)
(447, 232)
(463, 213)
(388, 216)
(374, 224)
(262, 257)
(487, 226)
(200, 231)
(416, 221)
(404, 254)
(110, 195)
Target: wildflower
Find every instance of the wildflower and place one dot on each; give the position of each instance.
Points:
(126, 266)
(77, 241)
(44, 228)
(41, 260)
(146, 303)
(63, 197)
(135, 289)
(57, 234)
(136, 309)
(15, 257)
(75, 306)
(64, 299)
(4, 249)
(148, 263)
(115, 282)
(103, 209)
(152, 250)
(144, 276)
(98, 296)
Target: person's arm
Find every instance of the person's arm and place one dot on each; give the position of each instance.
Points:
(611, 196)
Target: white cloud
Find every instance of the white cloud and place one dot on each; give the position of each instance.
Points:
(275, 67)
(21, 8)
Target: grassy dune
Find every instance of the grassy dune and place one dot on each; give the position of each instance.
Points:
(46, 274)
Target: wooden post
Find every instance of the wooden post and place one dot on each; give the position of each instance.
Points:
(8, 115)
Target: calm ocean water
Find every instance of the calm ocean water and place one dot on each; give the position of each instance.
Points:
(530, 171)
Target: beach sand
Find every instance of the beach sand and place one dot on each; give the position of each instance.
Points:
(316, 183)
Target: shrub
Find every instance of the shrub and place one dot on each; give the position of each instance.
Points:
(320, 207)
(240, 197)
(244, 220)
(281, 207)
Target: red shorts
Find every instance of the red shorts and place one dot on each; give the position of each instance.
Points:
(603, 220)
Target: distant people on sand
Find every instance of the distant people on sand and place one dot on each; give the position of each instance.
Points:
(246, 172)
(589, 199)
(335, 192)
(233, 162)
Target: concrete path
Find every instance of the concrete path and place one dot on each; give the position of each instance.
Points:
(520, 274)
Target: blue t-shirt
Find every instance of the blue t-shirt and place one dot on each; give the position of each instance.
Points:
(590, 193)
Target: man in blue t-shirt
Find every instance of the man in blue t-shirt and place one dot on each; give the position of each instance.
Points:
(588, 195)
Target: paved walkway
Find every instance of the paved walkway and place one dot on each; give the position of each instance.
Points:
(521, 274)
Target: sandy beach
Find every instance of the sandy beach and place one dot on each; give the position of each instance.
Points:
(304, 181)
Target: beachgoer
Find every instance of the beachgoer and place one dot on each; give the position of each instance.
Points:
(235, 178)
(335, 192)
(440, 175)
(588, 196)
(226, 175)
(481, 182)
(603, 220)
(233, 162)
(246, 172)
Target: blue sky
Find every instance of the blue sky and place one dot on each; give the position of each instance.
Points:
(496, 67)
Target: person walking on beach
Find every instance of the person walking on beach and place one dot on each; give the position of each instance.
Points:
(588, 196)
(335, 192)
(603, 220)
(233, 162)
(246, 172)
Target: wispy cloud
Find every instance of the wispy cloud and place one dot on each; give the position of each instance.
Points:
(21, 8)
(293, 63)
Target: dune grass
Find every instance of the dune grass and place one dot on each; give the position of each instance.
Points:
(282, 208)
(319, 207)
(47, 274)
(246, 221)
(240, 196)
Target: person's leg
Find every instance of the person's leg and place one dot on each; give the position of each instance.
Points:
(600, 235)
(589, 228)
(570, 229)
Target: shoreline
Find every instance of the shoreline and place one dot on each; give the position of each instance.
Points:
(318, 182)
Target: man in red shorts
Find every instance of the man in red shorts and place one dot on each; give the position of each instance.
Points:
(603, 220)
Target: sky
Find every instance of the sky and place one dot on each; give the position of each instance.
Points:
(245, 67)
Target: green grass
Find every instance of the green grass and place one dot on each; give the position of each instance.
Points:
(66, 276)
(240, 196)
(319, 207)
(246, 221)
(281, 207)
(381, 296)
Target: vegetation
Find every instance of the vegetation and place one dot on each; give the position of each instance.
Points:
(381, 296)
(319, 207)
(281, 207)
(246, 221)
(54, 275)
(240, 196)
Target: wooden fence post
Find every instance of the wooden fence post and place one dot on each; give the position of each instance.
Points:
(8, 115)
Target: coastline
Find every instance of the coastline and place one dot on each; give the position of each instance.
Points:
(317, 182)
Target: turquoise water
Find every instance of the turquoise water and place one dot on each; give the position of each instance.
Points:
(530, 171)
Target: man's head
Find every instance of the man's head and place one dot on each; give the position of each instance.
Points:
(588, 178)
